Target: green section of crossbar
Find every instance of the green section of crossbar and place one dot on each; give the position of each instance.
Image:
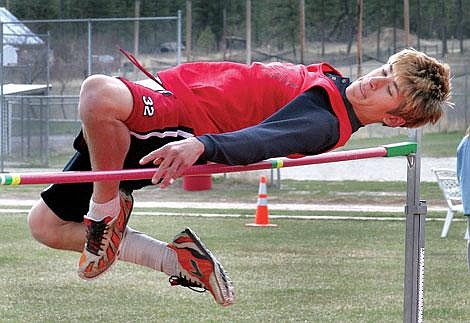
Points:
(401, 149)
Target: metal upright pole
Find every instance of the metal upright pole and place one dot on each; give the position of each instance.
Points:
(90, 58)
(415, 211)
(466, 94)
(2, 107)
(48, 102)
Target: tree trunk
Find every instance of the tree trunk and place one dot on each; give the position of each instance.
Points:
(359, 38)
(418, 26)
(379, 27)
(444, 27)
(224, 30)
(394, 26)
(459, 31)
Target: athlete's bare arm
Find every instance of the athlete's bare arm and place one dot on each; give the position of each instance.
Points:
(173, 159)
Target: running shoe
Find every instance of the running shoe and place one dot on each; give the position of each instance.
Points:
(199, 270)
(103, 240)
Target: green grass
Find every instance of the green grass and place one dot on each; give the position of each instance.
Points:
(433, 144)
(301, 271)
(324, 192)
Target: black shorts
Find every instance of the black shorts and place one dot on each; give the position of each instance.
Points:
(70, 202)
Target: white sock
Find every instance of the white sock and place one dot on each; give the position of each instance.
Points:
(139, 248)
(98, 212)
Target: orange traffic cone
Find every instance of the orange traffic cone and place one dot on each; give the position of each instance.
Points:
(262, 216)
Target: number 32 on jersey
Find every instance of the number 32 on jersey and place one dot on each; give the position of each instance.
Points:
(149, 110)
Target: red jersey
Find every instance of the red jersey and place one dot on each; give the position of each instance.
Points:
(218, 97)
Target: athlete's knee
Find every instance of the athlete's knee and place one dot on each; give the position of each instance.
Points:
(101, 98)
(40, 225)
(96, 97)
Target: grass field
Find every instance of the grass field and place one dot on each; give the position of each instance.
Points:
(301, 271)
(433, 144)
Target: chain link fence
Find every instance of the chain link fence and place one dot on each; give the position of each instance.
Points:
(44, 63)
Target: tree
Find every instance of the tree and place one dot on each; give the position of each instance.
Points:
(208, 19)
(40, 9)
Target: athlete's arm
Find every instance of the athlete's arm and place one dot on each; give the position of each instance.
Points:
(305, 126)
(173, 159)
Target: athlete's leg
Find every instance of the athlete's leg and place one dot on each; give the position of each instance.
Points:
(49, 229)
(138, 248)
(105, 103)
(186, 260)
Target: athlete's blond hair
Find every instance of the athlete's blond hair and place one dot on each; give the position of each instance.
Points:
(425, 84)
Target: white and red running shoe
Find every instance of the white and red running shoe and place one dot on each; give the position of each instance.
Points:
(103, 240)
(198, 268)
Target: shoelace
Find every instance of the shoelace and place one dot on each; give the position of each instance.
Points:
(94, 237)
(182, 281)
(224, 277)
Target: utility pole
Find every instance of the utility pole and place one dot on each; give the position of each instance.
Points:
(359, 38)
(189, 24)
(322, 10)
(406, 22)
(136, 27)
(248, 32)
(224, 30)
(302, 30)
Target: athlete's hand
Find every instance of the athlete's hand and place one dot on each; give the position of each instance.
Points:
(173, 159)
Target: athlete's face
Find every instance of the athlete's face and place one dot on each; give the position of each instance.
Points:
(377, 92)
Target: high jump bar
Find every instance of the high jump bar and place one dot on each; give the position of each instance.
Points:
(392, 150)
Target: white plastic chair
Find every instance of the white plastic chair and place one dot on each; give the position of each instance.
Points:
(448, 183)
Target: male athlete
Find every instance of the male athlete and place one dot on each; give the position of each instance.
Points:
(220, 112)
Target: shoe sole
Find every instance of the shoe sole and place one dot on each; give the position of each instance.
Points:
(81, 274)
(230, 299)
